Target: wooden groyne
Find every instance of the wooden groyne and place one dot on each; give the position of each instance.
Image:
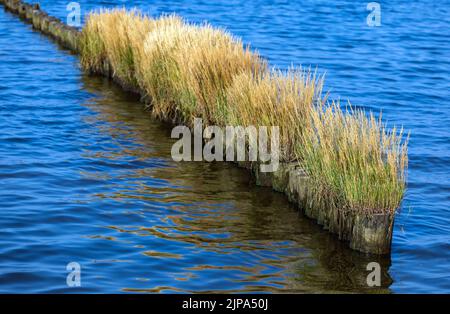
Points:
(65, 35)
(364, 231)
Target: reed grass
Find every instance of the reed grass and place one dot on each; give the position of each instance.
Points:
(354, 161)
(184, 68)
(276, 98)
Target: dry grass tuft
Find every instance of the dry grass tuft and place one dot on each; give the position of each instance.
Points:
(354, 161)
(186, 70)
(275, 98)
(190, 71)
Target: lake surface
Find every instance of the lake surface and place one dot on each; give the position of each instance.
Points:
(86, 174)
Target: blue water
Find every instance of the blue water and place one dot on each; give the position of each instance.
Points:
(86, 174)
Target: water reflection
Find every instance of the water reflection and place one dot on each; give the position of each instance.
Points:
(204, 227)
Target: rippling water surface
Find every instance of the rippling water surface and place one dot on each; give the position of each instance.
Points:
(86, 174)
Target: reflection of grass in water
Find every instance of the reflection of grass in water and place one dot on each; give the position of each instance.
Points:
(199, 71)
(161, 254)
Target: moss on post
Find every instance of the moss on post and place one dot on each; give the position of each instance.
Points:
(372, 233)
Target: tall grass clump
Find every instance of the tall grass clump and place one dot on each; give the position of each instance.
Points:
(197, 71)
(276, 98)
(186, 70)
(92, 46)
(354, 162)
(112, 39)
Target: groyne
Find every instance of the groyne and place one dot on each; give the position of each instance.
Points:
(365, 231)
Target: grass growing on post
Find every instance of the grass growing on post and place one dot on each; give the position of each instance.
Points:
(186, 70)
(276, 98)
(190, 71)
(354, 162)
(109, 39)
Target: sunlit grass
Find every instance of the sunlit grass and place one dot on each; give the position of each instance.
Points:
(354, 161)
(187, 71)
(283, 99)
